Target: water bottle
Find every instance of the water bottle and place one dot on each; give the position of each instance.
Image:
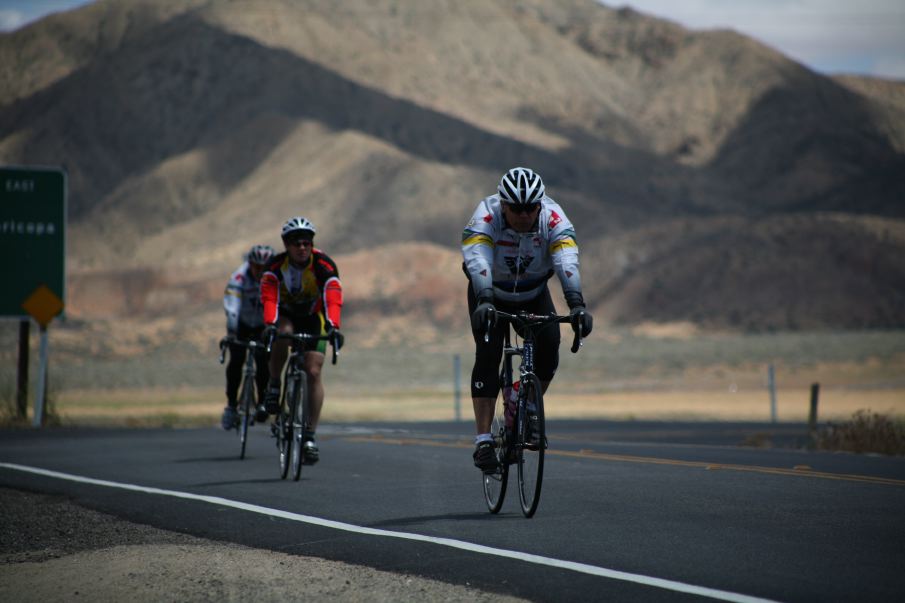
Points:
(510, 399)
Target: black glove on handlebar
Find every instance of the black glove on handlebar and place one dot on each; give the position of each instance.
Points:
(580, 316)
(338, 340)
(483, 312)
(268, 333)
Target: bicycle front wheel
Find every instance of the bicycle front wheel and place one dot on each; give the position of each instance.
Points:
(495, 483)
(531, 442)
(246, 408)
(284, 429)
(298, 424)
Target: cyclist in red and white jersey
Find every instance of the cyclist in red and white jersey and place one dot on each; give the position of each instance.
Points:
(515, 241)
(301, 293)
(245, 320)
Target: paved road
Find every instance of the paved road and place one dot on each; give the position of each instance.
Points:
(636, 511)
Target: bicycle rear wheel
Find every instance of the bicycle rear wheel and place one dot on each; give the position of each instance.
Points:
(299, 407)
(246, 408)
(530, 450)
(284, 429)
(495, 483)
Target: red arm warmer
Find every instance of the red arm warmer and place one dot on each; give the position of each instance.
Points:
(333, 300)
(270, 297)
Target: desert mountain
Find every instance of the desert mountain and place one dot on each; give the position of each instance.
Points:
(711, 178)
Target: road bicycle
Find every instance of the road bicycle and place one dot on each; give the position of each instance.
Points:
(247, 404)
(291, 420)
(519, 433)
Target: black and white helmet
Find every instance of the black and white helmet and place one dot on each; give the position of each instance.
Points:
(297, 224)
(260, 254)
(522, 186)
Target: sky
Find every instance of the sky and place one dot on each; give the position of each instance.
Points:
(865, 37)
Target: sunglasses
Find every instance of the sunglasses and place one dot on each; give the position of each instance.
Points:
(299, 243)
(520, 208)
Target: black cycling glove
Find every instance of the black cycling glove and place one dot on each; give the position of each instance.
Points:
(484, 312)
(578, 314)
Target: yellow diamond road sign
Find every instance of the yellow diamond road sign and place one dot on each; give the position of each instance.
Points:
(43, 305)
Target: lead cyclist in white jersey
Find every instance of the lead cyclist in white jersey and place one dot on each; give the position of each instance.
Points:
(515, 241)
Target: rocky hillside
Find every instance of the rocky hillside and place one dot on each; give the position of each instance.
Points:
(712, 179)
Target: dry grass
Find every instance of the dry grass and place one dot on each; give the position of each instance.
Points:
(188, 406)
(865, 431)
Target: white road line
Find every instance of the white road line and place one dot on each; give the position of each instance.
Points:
(583, 568)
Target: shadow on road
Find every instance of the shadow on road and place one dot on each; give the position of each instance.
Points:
(208, 459)
(242, 481)
(403, 521)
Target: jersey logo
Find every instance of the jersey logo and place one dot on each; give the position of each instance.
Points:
(325, 265)
(239, 278)
(518, 265)
(554, 220)
(569, 274)
(488, 218)
(483, 273)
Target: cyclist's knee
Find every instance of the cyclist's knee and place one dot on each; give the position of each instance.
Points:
(314, 364)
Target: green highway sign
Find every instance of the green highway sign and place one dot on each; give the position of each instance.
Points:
(32, 240)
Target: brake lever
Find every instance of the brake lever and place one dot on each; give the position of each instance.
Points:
(577, 340)
(222, 350)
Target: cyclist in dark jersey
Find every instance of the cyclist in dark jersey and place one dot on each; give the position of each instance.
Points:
(301, 293)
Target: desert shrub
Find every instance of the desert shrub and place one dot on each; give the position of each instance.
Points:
(866, 431)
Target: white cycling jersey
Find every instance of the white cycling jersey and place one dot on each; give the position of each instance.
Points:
(242, 300)
(517, 265)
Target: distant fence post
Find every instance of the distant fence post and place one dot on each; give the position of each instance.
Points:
(812, 416)
(771, 385)
(38, 419)
(457, 390)
(22, 370)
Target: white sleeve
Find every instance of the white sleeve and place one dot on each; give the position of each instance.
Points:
(564, 251)
(232, 304)
(478, 248)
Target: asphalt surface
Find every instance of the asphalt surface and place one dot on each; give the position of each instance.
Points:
(669, 505)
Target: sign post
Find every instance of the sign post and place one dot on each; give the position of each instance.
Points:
(33, 245)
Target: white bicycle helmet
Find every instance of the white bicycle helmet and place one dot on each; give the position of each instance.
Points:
(521, 186)
(260, 254)
(297, 224)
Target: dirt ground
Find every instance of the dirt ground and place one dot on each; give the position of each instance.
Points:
(54, 550)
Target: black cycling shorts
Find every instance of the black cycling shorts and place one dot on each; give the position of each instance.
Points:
(485, 376)
(313, 324)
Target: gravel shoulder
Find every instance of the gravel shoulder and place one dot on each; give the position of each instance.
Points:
(54, 550)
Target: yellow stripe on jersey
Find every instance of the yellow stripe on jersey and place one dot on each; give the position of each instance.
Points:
(477, 239)
(561, 244)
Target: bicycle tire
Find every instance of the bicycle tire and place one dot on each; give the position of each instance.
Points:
(246, 408)
(298, 423)
(284, 441)
(495, 483)
(530, 459)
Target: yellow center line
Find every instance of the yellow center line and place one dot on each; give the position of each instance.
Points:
(797, 471)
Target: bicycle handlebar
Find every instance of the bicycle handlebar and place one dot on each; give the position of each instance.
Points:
(306, 338)
(527, 319)
(232, 340)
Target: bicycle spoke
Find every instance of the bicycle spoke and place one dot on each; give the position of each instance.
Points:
(495, 483)
(532, 435)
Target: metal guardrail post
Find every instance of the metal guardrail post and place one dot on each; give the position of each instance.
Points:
(457, 389)
(812, 416)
